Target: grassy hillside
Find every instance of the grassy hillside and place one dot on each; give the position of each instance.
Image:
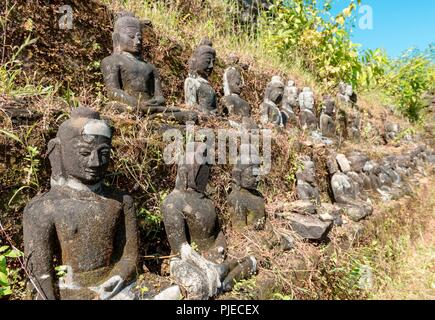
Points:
(49, 71)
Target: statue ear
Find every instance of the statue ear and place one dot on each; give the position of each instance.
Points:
(115, 39)
(54, 154)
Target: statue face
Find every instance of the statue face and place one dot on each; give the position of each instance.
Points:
(86, 158)
(249, 176)
(130, 38)
(276, 94)
(205, 64)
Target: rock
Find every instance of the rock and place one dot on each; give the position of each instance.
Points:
(310, 227)
(343, 162)
(299, 206)
(286, 241)
(327, 210)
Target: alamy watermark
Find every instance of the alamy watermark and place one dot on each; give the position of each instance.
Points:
(229, 146)
(365, 21)
(66, 20)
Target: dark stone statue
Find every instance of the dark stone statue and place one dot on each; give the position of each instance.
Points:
(290, 103)
(232, 102)
(271, 106)
(132, 81)
(190, 219)
(246, 203)
(307, 118)
(198, 91)
(307, 188)
(327, 125)
(89, 227)
(345, 190)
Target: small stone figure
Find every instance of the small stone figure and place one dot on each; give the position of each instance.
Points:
(290, 103)
(132, 81)
(346, 93)
(232, 102)
(307, 118)
(198, 91)
(246, 203)
(307, 188)
(270, 108)
(391, 131)
(353, 125)
(345, 193)
(190, 217)
(327, 125)
(89, 226)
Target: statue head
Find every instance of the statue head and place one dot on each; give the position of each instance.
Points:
(233, 82)
(307, 172)
(127, 34)
(247, 169)
(81, 149)
(345, 89)
(193, 170)
(291, 83)
(275, 90)
(202, 61)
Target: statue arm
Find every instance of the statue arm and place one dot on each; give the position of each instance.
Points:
(39, 233)
(190, 92)
(112, 78)
(174, 222)
(158, 98)
(126, 267)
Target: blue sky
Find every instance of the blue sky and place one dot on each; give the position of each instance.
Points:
(397, 25)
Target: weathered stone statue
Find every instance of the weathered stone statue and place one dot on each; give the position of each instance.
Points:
(327, 125)
(307, 188)
(346, 93)
(345, 192)
(129, 79)
(246, 203)
(391, 131)
(290, 103)
(190, 218)
(353, 125)
(307, 118)
(270, 108)
(198, 92)
(90, 227)
(232, 102)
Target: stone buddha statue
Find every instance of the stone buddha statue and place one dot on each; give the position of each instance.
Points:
(306, 187)
(346, 93)
(307, 118)
(327, 125)
(89, 227)
(345, 190)
(232, 102)
(190, 221)
(197, 90)
(290, 103)
(246, 202)
(130, 80)
(271, 106)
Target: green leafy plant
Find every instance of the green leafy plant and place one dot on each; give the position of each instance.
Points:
(7, 276)
(32, 159)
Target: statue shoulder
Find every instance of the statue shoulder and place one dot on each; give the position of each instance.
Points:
(42, 203)
(111, 61)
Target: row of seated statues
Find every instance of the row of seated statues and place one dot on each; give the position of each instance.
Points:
(91, 228)
(134, 84)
